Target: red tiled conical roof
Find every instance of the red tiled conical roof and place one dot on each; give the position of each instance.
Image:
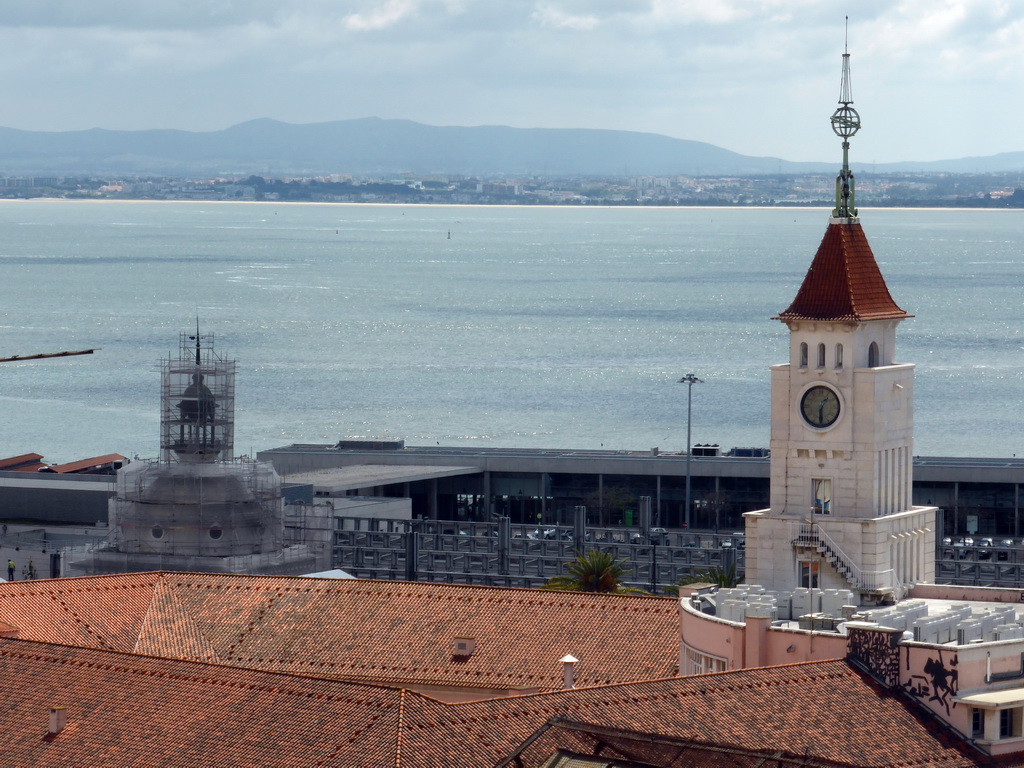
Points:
(844, 282)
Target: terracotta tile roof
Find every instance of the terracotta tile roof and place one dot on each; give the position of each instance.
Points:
(844, 282)
(826, 710)
(86, 464)
(131, 710)
(376, 631)
(26, 462)
(125, 710)
(584, 744)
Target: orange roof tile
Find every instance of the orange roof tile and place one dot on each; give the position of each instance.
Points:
(125, 710)
(91, 463)
(129, 710)
(377, 631)
(844, 282)
(26, 462)
(825, 710)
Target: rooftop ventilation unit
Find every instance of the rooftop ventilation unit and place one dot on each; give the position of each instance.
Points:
(464, 647)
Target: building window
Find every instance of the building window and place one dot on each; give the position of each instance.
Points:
(839, 355)
(808, 574)
(158, 532)
(698, 663)
(873, 355)
(1010, 722)
(803, 354)
(822, 496)
(821, 355)
(977, 723)
(216, 533)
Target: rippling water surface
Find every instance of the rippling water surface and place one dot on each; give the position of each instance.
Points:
(527, 327)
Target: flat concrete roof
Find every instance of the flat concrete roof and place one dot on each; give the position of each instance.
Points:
(994, 698)
(336, 480)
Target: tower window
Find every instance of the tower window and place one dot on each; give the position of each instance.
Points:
(873, 355)
(803, 354)
(808, 574)
(822, 496)
(839, 355)
(216, 533)
(821, 355)
(158, 532)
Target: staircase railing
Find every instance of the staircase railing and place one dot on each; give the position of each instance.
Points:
(812, 535)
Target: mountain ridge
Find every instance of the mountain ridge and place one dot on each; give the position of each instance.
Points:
(373, 146)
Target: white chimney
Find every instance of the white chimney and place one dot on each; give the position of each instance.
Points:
(58, 719)
(568, 680)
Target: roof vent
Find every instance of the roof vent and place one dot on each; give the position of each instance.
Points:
(58, 719)
(464, 646)
(568, 671)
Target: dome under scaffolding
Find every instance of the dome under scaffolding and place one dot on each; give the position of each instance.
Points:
(198, 508)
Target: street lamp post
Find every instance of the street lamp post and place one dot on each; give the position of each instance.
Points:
(655, 539)
(689, 379)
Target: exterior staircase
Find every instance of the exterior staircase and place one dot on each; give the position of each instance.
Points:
(871, 585)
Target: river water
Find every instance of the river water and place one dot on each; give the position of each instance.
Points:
(493, 326)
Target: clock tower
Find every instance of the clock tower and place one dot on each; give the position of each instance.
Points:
(841, 514)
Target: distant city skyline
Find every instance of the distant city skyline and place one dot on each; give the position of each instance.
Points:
(932, 80)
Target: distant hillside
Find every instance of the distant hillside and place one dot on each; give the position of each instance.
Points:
(373, 146)
(377, 147)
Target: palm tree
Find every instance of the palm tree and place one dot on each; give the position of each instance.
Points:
(720, 576)
(593, 571)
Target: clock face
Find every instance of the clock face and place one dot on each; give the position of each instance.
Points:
(820, 407)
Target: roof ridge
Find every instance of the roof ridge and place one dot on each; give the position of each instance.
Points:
(136, 670)
(400, 728)
(164, 592)
(86, 625)
(249, 630)
(342, 584)
(346, 585)
(823, 675)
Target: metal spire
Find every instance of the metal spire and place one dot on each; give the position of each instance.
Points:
(845, 123)
(198, 341)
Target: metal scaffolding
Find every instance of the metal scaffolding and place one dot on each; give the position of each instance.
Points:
(219, 509)
(197, 403)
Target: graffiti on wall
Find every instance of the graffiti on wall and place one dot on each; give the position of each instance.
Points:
(877, 653)
(938, 680)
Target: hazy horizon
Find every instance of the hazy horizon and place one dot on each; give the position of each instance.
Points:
(757, 78)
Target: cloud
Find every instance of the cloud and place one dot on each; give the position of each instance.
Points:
(131, 15)
(382, 17)
(550, 16)
(755, 76)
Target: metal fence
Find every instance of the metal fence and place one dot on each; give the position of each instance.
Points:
(980, 565)
(502, 554)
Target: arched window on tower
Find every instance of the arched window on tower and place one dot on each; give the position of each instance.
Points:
(803, 354)
(821, 355)
(873, 355)
(839, 355)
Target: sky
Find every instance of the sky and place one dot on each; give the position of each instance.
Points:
(932, 79)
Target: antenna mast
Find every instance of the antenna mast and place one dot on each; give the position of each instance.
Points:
(845, 123)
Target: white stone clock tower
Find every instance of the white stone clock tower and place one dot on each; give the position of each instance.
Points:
(841, 514)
